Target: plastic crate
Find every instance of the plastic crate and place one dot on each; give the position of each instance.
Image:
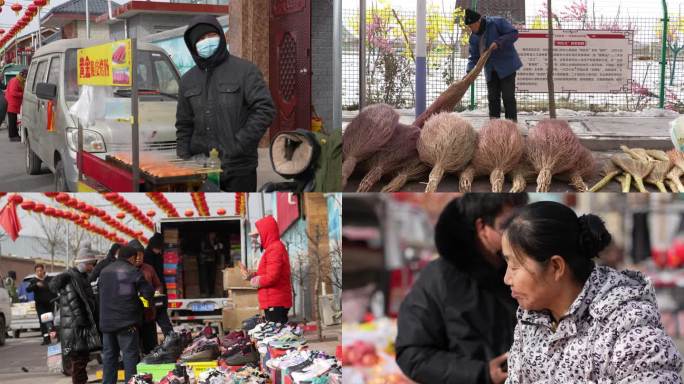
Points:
(201, 366)
(158, 371)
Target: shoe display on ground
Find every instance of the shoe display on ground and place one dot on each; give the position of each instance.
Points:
(247, 355)
(143, 378)
(203, 352)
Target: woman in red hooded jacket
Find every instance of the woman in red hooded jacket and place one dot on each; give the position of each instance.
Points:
(14, 96)
(272, 277)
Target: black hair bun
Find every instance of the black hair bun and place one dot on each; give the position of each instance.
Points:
(593, 235)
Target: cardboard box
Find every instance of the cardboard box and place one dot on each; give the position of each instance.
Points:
(232, 318)
(171, 236)
(232, 278)
(244, 298)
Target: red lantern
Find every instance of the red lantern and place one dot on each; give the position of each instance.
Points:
(39, 3)
(39, 208)
(189, 212)
(80, 206)
(16, 7)
(32, 8)
(221, 211)
(16, 199)
(120, 215)
(28, 205)
(111, 196)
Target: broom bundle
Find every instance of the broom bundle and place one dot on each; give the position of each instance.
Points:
(446, 143)
(659, 173)
(413, 170)
(449, 98)
(637, 168)
(625, 180)
(402, 146)
(369, 131)
(500, 147)
(583, 169)
(675, 174)
(465, 179)
(608, 172)
(522, 174)
(552, 148)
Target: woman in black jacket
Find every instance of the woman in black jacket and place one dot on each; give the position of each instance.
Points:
(457, 322)
(78, 317)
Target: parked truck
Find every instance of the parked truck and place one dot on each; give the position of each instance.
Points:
(182, 252)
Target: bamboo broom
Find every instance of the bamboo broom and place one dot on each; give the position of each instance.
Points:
(413, 170)
(638, 169)
(658, 174)
(453, 95)
(447, 143)
(625, 180)
(584, 169)
(552, 148)
(500, 148)
(365, 135)
(609, 171)
(401, 147)
(521, 175)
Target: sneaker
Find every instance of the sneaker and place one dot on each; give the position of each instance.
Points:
(214, 376)
(245, 356)
(143, 378)
(179, 375)
(166, 353)
(205, 352)
(318, 368)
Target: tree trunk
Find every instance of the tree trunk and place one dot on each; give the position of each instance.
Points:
(675, 53)
(552, 95)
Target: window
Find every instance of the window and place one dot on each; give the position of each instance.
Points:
(53, 73)
(40, 74)
(168, 82)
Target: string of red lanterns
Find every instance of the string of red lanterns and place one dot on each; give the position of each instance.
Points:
(129, 208)
(200, 202)
(89, 210)
(163, 203)
(30, 12)
(80, 220)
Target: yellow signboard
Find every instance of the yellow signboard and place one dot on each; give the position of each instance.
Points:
(106, 65)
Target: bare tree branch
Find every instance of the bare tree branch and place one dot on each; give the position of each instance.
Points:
(53, 237)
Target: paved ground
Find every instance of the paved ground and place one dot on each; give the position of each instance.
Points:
(13, 176)
(602, 134)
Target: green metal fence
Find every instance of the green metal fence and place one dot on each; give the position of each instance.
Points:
(391, 67)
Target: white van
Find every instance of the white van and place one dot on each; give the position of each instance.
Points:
(53, 76)
(5, 312)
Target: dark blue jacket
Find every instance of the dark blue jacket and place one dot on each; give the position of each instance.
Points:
(120, 286)
(504, 60)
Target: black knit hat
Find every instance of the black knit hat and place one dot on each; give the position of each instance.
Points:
(135, 244)
(156, 241)
(471, 16)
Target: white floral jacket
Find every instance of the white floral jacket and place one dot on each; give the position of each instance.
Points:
(611, 334)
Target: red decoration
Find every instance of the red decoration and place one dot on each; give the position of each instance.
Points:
(28, 205)
(221, 212)
(39, 3)
(16, 199)
(39, 208)
(16, 7)
(189, 213)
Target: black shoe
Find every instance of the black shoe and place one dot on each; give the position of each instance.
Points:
(166, 353)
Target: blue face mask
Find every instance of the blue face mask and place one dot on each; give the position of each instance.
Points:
(207, 47)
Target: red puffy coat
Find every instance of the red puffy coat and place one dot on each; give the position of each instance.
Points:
(14, 96)
(275, 285)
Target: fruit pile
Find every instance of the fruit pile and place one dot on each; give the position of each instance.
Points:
(360, 353)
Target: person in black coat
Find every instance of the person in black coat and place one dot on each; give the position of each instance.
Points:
(78, 332)
(223, 103)
(154, 257)
(121, 285)
(457, 322)
(43, 297)
(111, 256)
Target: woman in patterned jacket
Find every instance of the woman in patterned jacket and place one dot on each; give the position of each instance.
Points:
(578, 322)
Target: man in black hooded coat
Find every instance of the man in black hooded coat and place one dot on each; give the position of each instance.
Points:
(223, 103)
(457, 322)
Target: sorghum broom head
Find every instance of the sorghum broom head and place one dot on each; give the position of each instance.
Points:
(401, 146)
(676, 157)
(675, 177)
(638, 169)
(584, 169)
(658, 174)
(552, 148)
(371, 129)
(449, 98)
(608, 171)
(500, 147)
(465, 179)
(521, 175)
(625, 180)
(446, 143)
(636, 153)
(657, 154)
(413, 170)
